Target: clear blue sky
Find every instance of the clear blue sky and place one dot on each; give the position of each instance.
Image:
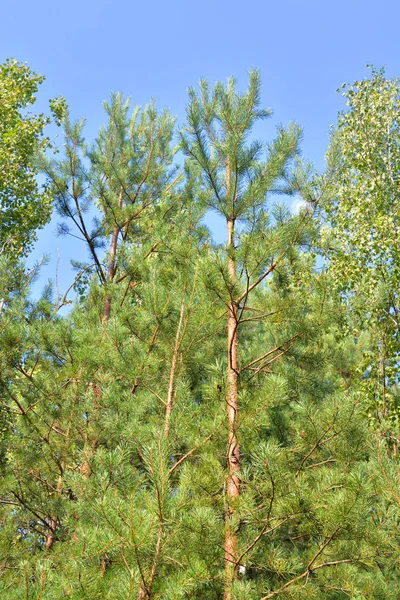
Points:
(304, 49)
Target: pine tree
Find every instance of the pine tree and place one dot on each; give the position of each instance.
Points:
(236, 183)
(127, 174)
(193, 427)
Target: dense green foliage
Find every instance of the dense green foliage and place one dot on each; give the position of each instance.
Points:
(116, 449)
(363, 226)
(25, 207)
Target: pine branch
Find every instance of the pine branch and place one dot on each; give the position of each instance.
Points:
(193, 450)
(256, 360)
(310, 568)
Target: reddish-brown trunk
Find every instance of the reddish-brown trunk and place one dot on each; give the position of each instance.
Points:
(110, 274)
(112, 263)
(51, 536)
(233, 454)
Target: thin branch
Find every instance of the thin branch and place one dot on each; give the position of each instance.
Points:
(259, 317)
(264, 531)
(192, 451)
(257, 360)
(154, 393)
(306, 573)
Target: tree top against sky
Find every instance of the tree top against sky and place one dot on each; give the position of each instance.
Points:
(304, 52)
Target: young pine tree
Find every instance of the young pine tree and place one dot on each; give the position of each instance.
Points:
(236, 180)
(190, 429)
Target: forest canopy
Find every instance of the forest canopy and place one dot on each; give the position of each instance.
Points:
(207, 420)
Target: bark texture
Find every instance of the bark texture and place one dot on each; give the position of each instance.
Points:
(233, 454)
(112, 267)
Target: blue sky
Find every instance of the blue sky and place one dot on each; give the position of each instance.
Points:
(304, 49)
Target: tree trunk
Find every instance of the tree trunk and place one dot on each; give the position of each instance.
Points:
(51, 536)
(233, 481)
(110, 274)
(171, 384)
(145, 589)
(112, 263)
